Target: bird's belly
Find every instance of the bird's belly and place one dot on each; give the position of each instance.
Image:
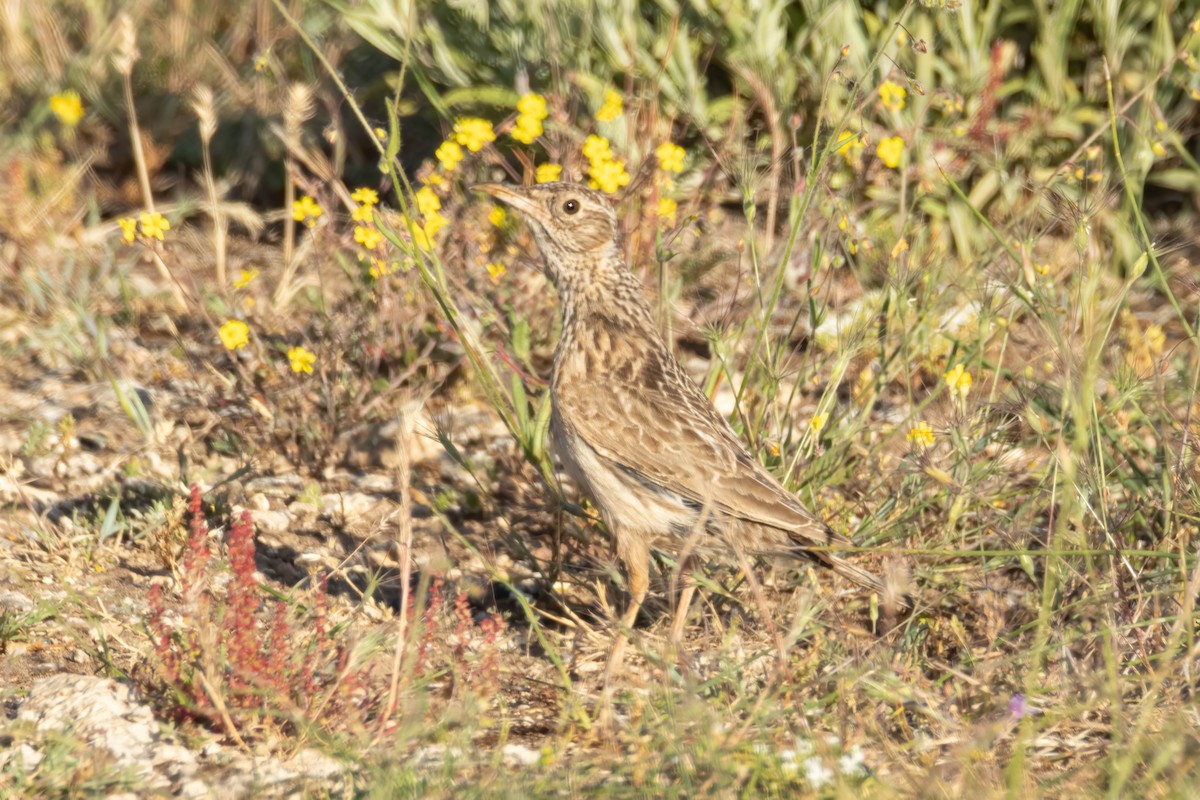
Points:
(626, 503)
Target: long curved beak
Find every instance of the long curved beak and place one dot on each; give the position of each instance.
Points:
(516, 196)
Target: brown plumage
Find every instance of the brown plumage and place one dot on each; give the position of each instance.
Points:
(637, 434)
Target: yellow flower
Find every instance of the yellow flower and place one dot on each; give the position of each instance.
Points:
(818, 422)
(959, 382)
(154, 225)
(367, 237)
(595, 149)
(900, 247)
(850, 146)
(128, 229)
(548, 173)
(433, 223)
(921, 435)
(670, 157)
(473, 133)
(843, 223)
(449, 154)
(496, 271)
(532, 105)
(496, 216)
(1158, 149)
(234, 334)
(67, 107)
(532, 110)
(527, 129)
(244, 277)
(363, 214)
(381, 268)
(419, 237)
(890, 150)
(612, 108)
(608, 176)
(666, 209)
(892, 95)
(365, 196)
(306, 210)
(302, 360)
(427, 201)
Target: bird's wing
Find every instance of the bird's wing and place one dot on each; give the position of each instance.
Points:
(648, 417)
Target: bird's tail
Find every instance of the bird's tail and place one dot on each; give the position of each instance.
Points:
(864, 578)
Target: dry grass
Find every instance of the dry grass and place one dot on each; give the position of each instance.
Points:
(1037, 231)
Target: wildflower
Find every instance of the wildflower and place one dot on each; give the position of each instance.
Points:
(670, 157)
(532, 110)
(234, 334)
(427, 201)
(595, 148)
(959, 382)
(473, 133)
(419, 237)
(306, 210)
(154, 225)
(1158, 149)
(612, 108)
(892, 95)
(433, 223)
(527, 129)
(818, 422)
(666, 209)
(67, 107)
(363, 213)
(449, 154)
(532, 105)
(816, 773)
(496, 271)
(369, 238)
(301, 360)
(608, 176)
(245, 277)
(365, 196)
(380, 134)
(921, 435)
(773, 449)
(128, 229)
(900, 247)
(548, 173)
(843, 223)
(890, 150)
(496, 216)
(850, 146)
(380, 268)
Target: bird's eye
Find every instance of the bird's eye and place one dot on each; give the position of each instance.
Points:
(571, 206)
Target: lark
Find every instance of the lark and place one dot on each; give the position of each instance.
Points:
(639, 437)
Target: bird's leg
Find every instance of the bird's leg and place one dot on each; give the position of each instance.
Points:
(685, 601)
(635, 553)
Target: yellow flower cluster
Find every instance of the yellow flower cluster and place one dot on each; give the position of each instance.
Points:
(890, 150)
(606, 172)
(891, 95)
(850, 146)
(234, 334)
(306, 210)
(67, 107)
(817, 423)
(921, 435)
(301, 360)
(367, 199)
(245, 277)
(670, 157)
(430, 206)
(612, 108)
(666, 209)
(449, 154)
(153, 226)
(473, 133)
(958, 380)
(531, 110)
(548, 173)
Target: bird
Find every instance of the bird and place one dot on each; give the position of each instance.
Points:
(638, 436)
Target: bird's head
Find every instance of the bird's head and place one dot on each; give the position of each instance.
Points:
(575, 228)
